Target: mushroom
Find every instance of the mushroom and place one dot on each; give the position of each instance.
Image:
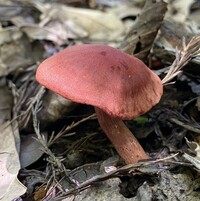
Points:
(119, 86)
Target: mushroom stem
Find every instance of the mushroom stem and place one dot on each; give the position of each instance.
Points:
(121, 137)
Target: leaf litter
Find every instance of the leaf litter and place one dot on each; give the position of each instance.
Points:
(52, 148)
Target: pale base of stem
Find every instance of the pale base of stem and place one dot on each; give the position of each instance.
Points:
(121, 137)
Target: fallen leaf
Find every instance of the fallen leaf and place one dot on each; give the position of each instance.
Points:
(54, 33)
(5, 101)
(142, 34)
(31, 149)
(174, 34)
(60, 22)
(178, 11)
(14, 49)
(40, 193)
(9, 9)
(10, 187)
(195, 148)
(54, 107)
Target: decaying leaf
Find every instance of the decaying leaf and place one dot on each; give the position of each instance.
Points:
(174, 33)
(5, 102)
(15, 50)
(178, 11)
(195, 148)
(10, 187)
(103, 191)
(31, 149)
(9, 9)
(55, 34)
(176, 186)
(53, 108)
(194, 16)
(27, 22)
(126, 11)
(142, 35)
(59, 23)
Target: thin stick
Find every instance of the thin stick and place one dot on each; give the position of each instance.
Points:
(191, 50)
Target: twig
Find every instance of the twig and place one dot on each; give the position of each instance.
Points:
(25, 115)
(191, 50)
(185, 125)
(78, 143)
(68, 128)
(45, 145)
(40, 138)
(127, 168)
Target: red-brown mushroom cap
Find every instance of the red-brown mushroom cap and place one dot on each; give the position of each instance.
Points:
(102, 76)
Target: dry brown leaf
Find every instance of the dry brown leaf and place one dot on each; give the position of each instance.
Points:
(15, 50)
(40, 193)
(194, 148)
(142, 35)
(5, 102)
(178, 10)
(96, 24)
(54, 107)
(174, 34)
(10, 187)
(194, 17)
(59, 22)
(8, 9)
(125, 11)
(112, 3)
(55, 33)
